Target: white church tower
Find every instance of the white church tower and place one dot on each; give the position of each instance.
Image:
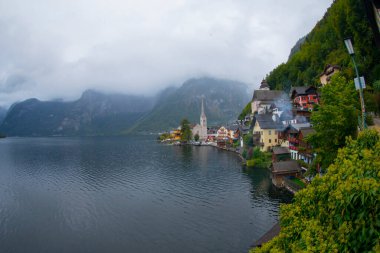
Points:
(201, 128)
(203, 123)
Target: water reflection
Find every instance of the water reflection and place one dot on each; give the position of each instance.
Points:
(129, 194)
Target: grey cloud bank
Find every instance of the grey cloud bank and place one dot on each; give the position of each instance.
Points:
(57, 49)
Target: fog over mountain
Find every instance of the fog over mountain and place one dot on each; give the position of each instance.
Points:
(58, 49)
(96, 113)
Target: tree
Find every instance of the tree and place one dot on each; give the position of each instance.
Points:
(196, 137)
(185, 131)
(340, 211)
(245, 112)
(335, 119)
(248, 140)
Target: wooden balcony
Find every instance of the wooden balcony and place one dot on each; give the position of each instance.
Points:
(293, 140)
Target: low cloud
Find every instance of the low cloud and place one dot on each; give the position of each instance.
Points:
(57, 49)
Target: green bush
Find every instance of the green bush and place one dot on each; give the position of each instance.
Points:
(369, 120)
(340, 211)
(244, 154)
(248, 140)
(251, 163)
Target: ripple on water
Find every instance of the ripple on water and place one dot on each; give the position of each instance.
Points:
(117, 194)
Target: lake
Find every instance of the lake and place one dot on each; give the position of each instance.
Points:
(129, 194)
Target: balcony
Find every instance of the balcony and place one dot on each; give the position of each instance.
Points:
(293, 140)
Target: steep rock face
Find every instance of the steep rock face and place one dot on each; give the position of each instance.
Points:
(93, 114)
(224, 99)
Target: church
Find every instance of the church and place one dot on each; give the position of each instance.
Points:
(201, 128)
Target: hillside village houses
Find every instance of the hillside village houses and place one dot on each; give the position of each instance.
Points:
(264, 99)
(327, 73)
(281, 120)
(278, 120)
(304, 97)
(266, 131)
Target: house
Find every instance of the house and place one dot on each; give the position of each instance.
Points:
(222, 137)
(294, 138)
(305, 152)
(263, 99)
(327, 73)
(222, 133)
(283, 169)
(304, 97)
(212, 133)
(175, 134)
(265, 131)
(280, 154)
(233, 132)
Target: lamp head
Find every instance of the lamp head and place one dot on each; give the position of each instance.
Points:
(349, 46)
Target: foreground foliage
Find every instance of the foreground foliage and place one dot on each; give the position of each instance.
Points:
(258, 159)
(335, 119)
(339, 212)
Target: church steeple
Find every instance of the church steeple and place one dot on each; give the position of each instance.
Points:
(203, 118)
(203, 110)
(264, 85)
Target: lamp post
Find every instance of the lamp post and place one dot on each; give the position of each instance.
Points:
(351, 52)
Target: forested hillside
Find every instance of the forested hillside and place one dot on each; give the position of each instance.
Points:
(324, 45)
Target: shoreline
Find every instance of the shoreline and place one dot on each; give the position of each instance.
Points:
(244, 162)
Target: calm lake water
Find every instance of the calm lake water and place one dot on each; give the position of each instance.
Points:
(124, 194)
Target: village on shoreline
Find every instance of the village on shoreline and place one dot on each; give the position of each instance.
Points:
(270, 133)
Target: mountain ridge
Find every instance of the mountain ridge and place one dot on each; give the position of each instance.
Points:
(96, 113)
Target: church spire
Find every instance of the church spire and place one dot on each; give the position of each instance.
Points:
(203, 109)
(203, 119)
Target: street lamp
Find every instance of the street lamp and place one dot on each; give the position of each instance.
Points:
(351, 52)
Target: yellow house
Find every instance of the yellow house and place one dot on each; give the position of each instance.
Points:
(175, 134)
(267, 129)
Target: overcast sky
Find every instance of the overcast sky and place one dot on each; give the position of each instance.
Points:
(58, 48)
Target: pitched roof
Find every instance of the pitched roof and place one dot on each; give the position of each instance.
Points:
(286, 167)
(274, 231)
(280, 150)
(307, 131)
(266, 122)
(268, 95)
(299, 126)
(299, 90)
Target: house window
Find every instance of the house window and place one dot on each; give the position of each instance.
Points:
(270, 141)
(270, 132)
(275, 140)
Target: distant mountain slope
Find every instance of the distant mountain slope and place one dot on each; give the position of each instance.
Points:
(3, 112)
(224, 100)
(101, 114)
(324, 45)
(297, 46)
(93, 114)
